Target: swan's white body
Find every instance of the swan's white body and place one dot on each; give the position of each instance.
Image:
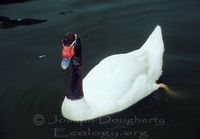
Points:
(119, 81)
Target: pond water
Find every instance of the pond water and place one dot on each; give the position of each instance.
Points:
(33, 84)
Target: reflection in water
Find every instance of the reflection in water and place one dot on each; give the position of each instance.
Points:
(12, 1)
(6, 22)
(66, 12)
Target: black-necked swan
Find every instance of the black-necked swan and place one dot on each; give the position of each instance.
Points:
(110, 87)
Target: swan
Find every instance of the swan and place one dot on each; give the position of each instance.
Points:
(114, 84)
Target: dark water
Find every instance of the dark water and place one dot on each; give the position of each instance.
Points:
(33, 84)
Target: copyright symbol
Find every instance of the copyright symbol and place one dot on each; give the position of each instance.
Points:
(38, 119)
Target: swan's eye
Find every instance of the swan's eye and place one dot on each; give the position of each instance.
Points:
(74, 42)
(69, 40)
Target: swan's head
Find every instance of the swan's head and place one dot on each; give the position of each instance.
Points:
(70, 43)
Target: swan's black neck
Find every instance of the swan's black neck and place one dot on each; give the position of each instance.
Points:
(75, 90)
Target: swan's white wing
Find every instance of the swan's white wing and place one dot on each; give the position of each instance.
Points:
(113, 77)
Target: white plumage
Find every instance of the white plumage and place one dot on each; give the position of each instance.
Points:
(119, 81)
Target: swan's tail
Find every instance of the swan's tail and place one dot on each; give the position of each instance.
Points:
(154, 47)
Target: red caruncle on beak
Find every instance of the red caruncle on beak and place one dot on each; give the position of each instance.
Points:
(68, 52)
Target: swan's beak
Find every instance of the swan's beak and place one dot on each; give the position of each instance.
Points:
(65, 63)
